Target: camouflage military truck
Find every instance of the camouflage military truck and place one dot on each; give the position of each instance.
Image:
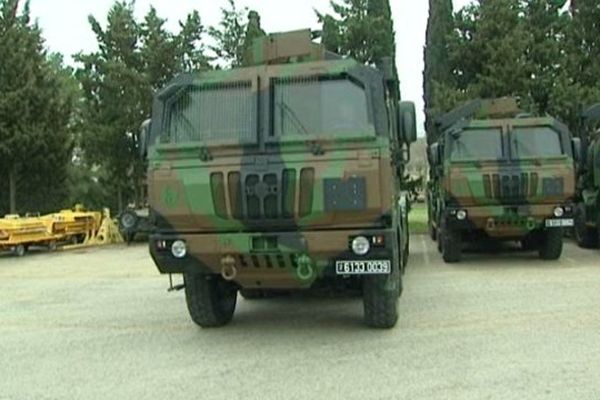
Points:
(282, 175)
(501, 174)
(587, 210)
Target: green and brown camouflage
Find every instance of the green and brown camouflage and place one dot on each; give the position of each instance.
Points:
(587, 211)
(266, 174)
(499, 173)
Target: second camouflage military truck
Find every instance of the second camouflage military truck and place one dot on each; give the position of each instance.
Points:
(281, 175)
(587, 211)
(501, 174)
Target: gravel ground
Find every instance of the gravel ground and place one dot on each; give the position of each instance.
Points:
(98, 324)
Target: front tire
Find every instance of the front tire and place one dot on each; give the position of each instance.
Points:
(552, 244)
(380, 297)
(586, 237)
(452, 246)
(210, 299)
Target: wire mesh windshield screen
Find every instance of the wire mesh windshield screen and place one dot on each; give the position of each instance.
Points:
(222, 112)
(312, 106)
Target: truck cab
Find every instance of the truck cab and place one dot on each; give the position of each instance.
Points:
(501, 174)
(281, 175)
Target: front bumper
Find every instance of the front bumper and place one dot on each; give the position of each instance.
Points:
(509, 221)
(273, 260)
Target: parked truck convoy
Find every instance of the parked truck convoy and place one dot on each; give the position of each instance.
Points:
(281, 175)
(587, 211)
(499, 173)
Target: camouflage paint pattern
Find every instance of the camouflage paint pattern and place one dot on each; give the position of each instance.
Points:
(505, 198)
(279, 209)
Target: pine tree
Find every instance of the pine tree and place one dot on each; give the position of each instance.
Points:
(438, 70)
(35, 111)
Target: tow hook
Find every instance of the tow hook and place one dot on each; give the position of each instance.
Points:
(228, 269)
(305, 269)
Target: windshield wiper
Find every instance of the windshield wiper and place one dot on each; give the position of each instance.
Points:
(294, 117)
(204, 151)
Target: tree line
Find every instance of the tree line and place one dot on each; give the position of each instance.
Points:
(70, 134)
(545, 52)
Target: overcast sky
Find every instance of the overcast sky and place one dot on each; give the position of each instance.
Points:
(66, 29)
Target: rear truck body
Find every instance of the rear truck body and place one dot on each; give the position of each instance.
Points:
(281, 176)
(587, 210)
(502, 178)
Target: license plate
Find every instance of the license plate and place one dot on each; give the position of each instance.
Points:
(378, 267)
(559, 223)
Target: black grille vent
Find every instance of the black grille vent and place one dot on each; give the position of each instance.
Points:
(510, 186)
(268, 196)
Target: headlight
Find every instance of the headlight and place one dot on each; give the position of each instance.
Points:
(461, 215)
(179, 249)
(559, 212)
(360, 245)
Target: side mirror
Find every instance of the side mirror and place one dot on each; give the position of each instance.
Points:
(407, 122)
(576, 143)
(144, 139)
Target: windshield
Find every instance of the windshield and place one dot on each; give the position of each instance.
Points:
(535, 142)
(217, 112)
(320, 107)
(477, 144)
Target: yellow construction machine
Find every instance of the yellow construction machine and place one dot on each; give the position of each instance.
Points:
(65, 229)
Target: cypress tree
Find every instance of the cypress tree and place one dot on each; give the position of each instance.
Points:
(437, 57)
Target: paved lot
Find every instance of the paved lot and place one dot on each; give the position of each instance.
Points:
(98, 324)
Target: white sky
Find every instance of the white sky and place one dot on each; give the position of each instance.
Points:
(66, 28)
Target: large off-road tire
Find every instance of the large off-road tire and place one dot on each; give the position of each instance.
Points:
(380, 297)
(585, 236)
(210, 299)
(451, 246)
(551, 244)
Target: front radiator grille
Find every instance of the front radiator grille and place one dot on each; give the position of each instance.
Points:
(510, 186)
(258, 196)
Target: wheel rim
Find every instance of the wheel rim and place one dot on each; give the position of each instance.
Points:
(128, 220)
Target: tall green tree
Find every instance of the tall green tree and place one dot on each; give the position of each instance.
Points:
(440, 27)
(546, 28)
(134, 59)
(35, 112)
(361, 29)
(578, 85)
